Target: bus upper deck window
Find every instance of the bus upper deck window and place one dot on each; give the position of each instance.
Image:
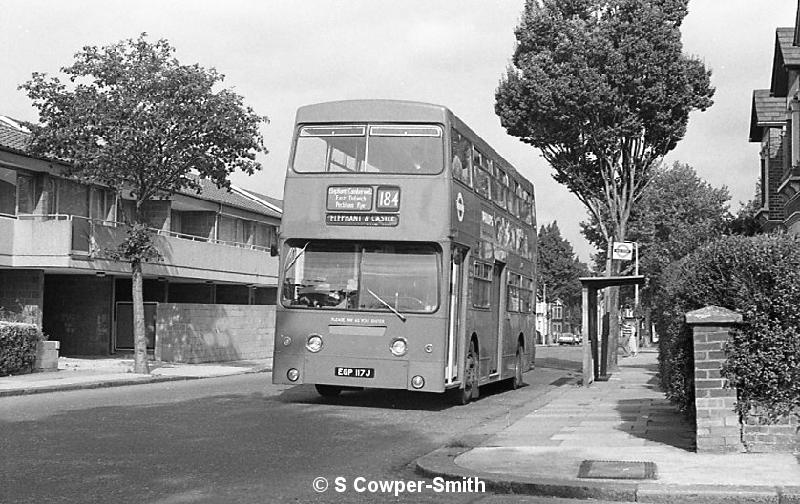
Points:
(330, 149)
(405, 149)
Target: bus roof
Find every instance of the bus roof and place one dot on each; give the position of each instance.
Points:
(371, 110)
(379, 110)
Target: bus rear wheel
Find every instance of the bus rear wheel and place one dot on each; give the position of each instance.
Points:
(328, 390)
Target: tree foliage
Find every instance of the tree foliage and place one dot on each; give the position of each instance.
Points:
(603, 89)
(677, 213)
(746, 222)
(130, 116)
(558, 267)
(757, 277)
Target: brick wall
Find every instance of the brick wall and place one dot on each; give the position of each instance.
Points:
(213, 333)
(21, 294)
(78, 313)
(761, 435)
(717, 429)
(776, 200)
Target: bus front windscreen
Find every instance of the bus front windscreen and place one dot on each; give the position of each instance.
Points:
(396, 277)
(396, 149)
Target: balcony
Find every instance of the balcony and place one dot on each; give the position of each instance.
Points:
(66, 242)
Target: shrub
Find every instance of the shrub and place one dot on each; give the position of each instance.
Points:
(17, 346)
(760, 278)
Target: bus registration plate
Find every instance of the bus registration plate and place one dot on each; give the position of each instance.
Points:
(358, 372)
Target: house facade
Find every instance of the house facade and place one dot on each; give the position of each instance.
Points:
(775, 124)
(552, 319)
(56, 269)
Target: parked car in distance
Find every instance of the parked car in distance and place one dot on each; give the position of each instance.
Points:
(568, 339)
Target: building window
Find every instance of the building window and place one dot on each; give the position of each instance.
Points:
(73, 198)
(26, 194)
(264, 235)
(102, 204)
(8, 191)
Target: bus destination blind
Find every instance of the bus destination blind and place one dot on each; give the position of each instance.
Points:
(350, 198)
(356, 219)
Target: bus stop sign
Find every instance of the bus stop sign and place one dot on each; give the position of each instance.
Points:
(622, 251)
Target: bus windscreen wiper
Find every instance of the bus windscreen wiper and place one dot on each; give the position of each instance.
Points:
(387, 305)
(296, 257)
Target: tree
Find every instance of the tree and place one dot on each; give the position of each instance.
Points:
(746, 222)
(131, 117)
(603, 90)
(558, 269)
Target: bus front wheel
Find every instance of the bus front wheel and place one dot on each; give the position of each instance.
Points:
(516, 382)
(470, 391)
(328, 390)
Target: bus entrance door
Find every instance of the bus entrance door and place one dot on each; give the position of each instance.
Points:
(456, 308)
(495, 334)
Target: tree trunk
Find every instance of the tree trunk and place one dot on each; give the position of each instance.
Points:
(612, 308)
(139, 333)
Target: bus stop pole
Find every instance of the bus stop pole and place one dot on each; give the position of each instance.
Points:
(589, 334)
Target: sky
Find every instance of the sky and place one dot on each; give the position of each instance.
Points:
(282, 54)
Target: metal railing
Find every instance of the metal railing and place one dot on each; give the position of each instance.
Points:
(84, 232)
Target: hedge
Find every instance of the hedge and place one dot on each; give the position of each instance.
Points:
(760, 278)
(17, 346)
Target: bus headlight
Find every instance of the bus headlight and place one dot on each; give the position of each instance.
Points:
(418, 382)
(314, 343)
(293, 374)
(398, 347)
(429, 348)
(287, 340)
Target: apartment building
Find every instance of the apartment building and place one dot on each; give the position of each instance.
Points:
(217, 259)
(775, 124)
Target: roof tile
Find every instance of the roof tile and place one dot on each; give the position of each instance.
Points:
(769, 109)
(12, 137)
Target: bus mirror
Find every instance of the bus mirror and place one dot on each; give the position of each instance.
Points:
(273, 250)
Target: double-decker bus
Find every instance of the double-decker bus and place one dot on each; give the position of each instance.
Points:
(407, 257)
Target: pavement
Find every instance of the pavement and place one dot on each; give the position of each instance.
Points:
(93, 372)
(617, 440)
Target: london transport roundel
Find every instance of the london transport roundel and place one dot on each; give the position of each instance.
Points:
(460, 207)
(622, 251)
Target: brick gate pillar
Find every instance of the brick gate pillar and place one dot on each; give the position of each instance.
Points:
(718, 428)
